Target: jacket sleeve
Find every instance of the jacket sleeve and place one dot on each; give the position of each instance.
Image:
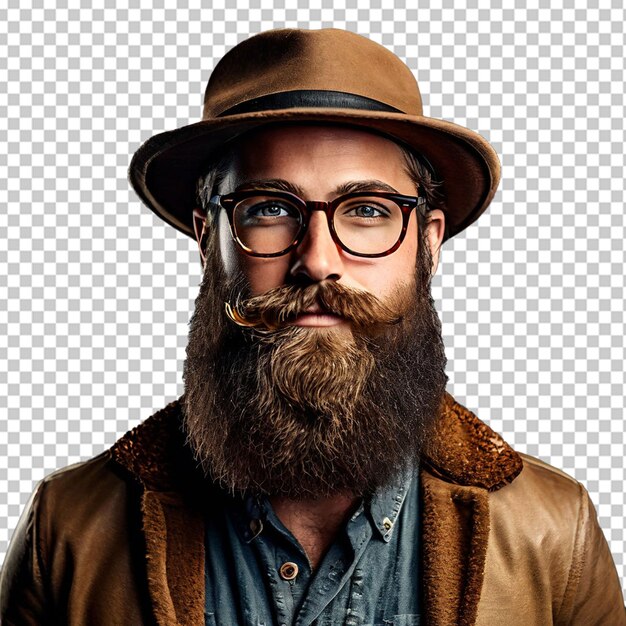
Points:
(22, 579)
(593, 595)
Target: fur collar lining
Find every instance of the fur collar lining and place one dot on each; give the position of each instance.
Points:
(463, 451)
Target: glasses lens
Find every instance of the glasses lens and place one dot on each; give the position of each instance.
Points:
(368, 225)
(265, 224)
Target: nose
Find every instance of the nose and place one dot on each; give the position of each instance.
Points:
(317, 257)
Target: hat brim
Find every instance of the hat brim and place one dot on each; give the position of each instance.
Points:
(165, 169)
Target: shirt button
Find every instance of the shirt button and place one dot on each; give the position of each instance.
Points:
(288, 570)
(255, 526)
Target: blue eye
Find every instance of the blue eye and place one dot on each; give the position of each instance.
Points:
(367, 211)
(271, 209)
(370, 211)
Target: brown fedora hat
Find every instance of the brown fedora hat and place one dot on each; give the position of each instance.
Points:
(325, 76)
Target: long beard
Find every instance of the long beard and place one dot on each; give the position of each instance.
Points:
(299, 412)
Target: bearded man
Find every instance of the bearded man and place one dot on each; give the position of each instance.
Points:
(315, 470)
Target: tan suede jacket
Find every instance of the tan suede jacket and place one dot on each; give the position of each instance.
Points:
(119, 539)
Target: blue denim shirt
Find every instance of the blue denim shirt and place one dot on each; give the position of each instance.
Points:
(257, 574)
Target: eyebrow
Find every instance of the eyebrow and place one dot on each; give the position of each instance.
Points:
(280, 184)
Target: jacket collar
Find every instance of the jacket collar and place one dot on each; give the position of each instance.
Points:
(462, 451)
(464, 462)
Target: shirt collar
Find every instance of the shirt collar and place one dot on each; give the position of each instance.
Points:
(251, 513)
(385, 505)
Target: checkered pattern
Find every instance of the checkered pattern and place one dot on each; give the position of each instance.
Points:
(96, 292)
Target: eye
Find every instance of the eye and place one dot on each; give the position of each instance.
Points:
(366, 210)
(265, 211)
(271, 208)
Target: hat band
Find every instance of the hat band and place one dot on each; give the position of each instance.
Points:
(315, 98)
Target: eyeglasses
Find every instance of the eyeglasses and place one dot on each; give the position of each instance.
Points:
(271, 223)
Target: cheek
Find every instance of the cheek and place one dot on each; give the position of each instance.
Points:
(383, 275)
(265, 274)
(262, 274)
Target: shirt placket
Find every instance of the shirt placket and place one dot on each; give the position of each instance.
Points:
(335, 572)
(286, 565)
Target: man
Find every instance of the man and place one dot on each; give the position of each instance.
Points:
(315, 471)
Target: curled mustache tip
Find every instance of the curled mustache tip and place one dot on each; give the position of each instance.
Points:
(234, 316)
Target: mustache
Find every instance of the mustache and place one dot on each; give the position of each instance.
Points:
(280, 306)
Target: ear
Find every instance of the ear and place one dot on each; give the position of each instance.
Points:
(435, 229)
(199, 228)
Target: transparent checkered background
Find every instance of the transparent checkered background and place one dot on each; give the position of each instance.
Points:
(96, 293)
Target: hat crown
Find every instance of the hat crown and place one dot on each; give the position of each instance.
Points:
(288, 60)
(328, 76)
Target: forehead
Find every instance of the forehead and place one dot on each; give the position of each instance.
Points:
(313, 155)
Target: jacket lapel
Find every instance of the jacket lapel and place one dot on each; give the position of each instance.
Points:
(174, 559)
(465, 461)
(455, 531)
(173, 524)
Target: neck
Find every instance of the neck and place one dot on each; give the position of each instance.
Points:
(315, 523)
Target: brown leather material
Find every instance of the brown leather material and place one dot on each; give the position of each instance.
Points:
(119, 539)
(283, 62)
(560, 567)
(78, 555)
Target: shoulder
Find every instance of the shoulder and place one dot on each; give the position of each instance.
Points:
(545, 524)
(138, 458)
(543, 487)
(544, 533)
(72, 514)
(78, 544)
(544, 502)
(79, 476)
(152, 456)
(81, 499)
(539, 474)
(543, 470)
